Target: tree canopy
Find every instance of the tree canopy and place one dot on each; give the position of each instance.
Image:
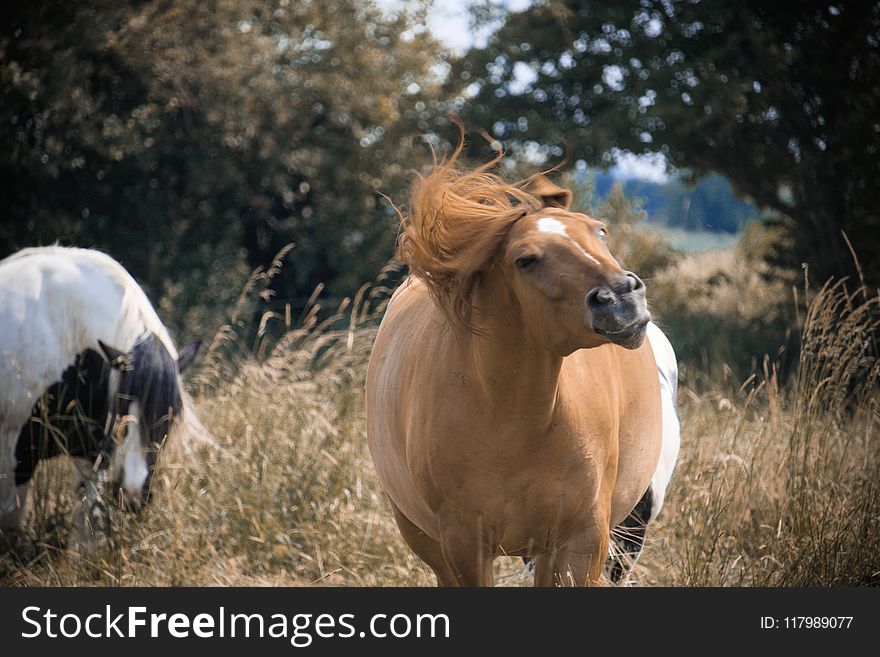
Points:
(783, 99)
(194, 140)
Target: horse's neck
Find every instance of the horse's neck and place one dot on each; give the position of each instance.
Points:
(517, 375)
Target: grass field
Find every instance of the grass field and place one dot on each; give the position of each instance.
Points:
(689, 241)
(776, 485)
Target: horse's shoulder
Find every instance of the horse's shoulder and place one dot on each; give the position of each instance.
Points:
(411, 302)
(412, 287)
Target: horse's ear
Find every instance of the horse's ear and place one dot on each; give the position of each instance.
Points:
(118, 359)
(187, 355)
(551, 195)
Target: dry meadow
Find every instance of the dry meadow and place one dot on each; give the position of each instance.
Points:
(777, 484)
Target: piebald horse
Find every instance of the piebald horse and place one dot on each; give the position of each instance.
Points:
(514, 406)
(87, 369)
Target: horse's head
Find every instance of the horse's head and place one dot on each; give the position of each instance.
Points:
(147, 405)
(552, 267)
(571, 291)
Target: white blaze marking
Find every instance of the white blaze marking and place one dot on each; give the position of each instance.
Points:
(550, 225)
(134, 460)
(556, 227)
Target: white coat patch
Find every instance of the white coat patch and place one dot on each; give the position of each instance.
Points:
(134, 458)
(667, 370)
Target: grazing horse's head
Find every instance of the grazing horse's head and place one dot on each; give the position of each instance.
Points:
(147, 403)
(558, 265)
(468, 227)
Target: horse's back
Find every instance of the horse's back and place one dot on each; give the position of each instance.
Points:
(55, 302)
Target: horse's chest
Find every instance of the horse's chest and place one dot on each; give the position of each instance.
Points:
(528, 487)
(538, 517)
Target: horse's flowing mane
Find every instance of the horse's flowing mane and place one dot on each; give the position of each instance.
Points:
(458, 220)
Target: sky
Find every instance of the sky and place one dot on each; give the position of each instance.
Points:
(450, 22)
(642, 167)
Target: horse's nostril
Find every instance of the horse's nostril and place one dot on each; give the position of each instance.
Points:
(635, 282)
(599, 297)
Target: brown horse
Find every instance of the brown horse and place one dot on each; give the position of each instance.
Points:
(513, 405)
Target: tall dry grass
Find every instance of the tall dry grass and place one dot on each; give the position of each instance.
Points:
(282, 494)
(781, 486)
(776, 485)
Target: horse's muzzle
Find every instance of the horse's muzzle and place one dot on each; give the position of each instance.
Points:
(619, 311)
(131, 501)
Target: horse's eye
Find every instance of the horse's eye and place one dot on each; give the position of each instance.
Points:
(524, 262)
(603, 234)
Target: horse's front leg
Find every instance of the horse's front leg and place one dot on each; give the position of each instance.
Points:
(468, 554)
(580, 560)
(12, 504)
(93, 513)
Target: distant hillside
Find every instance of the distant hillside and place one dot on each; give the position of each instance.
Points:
(692, 241)
(709, 205)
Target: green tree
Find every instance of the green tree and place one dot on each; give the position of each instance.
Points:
(783, 99)
(193, 140)
(635, 247)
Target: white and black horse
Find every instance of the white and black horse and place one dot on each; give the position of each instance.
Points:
(628, 538)
(87, 369)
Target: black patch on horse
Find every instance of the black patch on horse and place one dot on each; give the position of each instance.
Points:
(69, 418)
(71, 415)
(629, 536)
